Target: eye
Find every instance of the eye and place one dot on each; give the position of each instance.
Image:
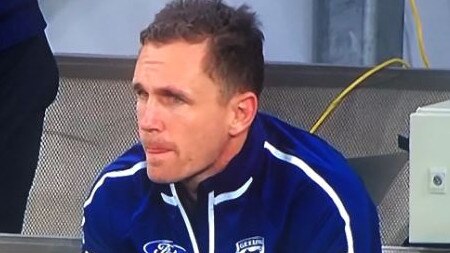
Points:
(173, 99)
(141, 94)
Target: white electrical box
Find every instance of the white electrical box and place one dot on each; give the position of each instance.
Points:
(429, 189)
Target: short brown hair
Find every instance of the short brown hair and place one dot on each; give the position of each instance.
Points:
(235, 40)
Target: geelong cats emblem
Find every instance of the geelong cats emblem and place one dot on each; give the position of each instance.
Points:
(250, 245)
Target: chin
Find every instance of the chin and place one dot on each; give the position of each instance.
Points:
(160, 178)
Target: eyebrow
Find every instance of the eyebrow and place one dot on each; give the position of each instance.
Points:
(172, 91)
(166, 91)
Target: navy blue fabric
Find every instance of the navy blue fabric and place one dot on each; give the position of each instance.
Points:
(19, 21)
(28, 84)
(283, 205)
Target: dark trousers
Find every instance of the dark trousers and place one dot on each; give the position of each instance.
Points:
(28, 84)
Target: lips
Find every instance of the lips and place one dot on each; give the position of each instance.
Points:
(158, 147)
(157, 150)
(158, 154)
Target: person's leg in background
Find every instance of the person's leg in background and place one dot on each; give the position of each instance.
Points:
(28, 84)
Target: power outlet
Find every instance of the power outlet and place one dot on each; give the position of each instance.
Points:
(437, 180)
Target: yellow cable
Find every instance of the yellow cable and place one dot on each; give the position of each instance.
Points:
(419, 33)
(335, 103)
(339, 98)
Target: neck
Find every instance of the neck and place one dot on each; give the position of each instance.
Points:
(232, 148)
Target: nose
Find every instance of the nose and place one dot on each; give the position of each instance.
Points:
(149, 117)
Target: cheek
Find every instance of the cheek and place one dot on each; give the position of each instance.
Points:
(139, 111)
(199, 136)
(194, 139)
(209, 137)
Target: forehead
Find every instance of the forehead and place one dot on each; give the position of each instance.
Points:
(179, 65)
(180, 55)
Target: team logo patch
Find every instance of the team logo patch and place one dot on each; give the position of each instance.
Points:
(163, 246)
(250, 245)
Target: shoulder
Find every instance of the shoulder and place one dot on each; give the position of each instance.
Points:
(127, 173)
(320, 179)
(127, 170)
(307, 156)
(110, 206)
(120, 186)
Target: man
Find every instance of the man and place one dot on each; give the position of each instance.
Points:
(28, 84)
(211, 174)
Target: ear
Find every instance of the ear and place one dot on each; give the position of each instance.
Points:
(244, 107)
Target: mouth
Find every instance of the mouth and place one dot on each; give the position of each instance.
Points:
(156, 156)
(157, 147)
(157, 150)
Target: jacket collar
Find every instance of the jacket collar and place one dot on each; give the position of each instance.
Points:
(246, 164)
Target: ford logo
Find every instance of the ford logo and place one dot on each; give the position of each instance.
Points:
(163, 246)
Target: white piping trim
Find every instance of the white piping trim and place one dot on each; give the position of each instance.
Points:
(211, 221)
(234, 194)
(114, 174)
(185, 218)
(212, 201)
(322, 183)
(169, 199)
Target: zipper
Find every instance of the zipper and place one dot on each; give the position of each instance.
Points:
(212, 201)
(185, 219)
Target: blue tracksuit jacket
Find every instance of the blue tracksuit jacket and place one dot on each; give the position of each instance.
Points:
(286, 191)
(19, 21)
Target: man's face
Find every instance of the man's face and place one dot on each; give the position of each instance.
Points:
(183, 124)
